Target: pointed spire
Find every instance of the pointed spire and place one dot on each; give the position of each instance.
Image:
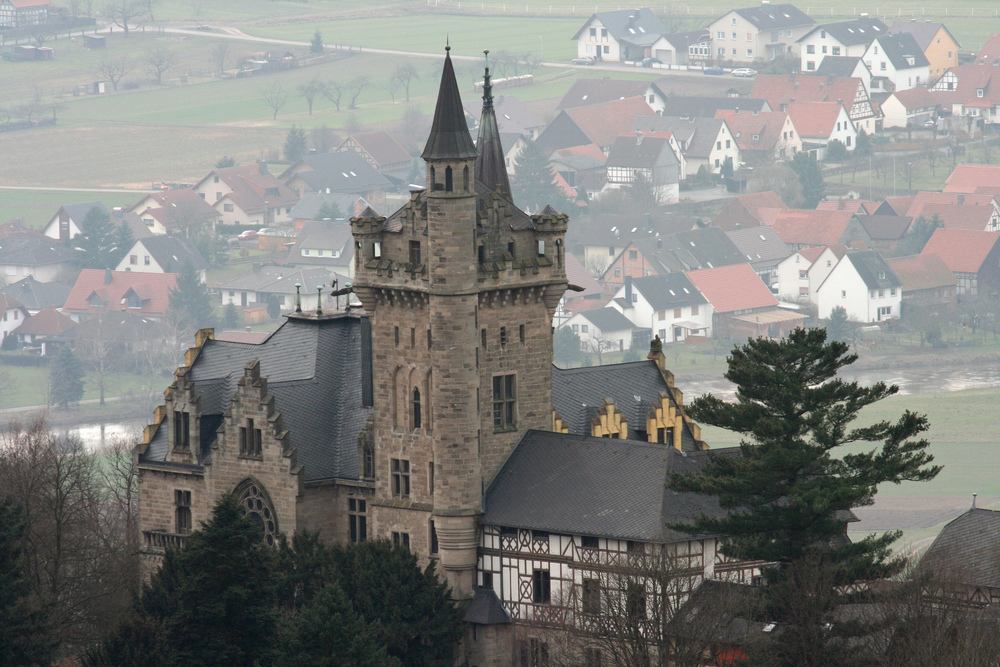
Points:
(491, 167)
(449, 137)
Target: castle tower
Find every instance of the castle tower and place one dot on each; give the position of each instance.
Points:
(461, 287)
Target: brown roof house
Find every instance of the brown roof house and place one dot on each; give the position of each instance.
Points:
(782, 90)
(973, 256)
(802, 228)
(927, 282)
(247, 195)
(379, 149)
(39, 329)
(752, 210)
(964, 554)
(175, 211)
(588, 92)
(764, 137)
(599, 124)
(742, 305)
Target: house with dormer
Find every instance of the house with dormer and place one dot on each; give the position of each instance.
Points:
(762, 33)
(703, 142)
(769, 136)
(762, 248)
(841, 39)
(97, 291)
(971, 91)
(780, 91)
(939, 46)
(897, 59)
(863, 284)
(623, 35)
(247, 195)
(668, 305)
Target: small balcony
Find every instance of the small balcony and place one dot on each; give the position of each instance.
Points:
(161, 540)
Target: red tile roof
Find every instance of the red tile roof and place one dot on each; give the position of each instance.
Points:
(972, 79)
(10, 303)
(813, 253)
(954, 198)
(603, 122)
(758, 200)
(899, 204)
(588, 150)
(918, 272)
(956, 216)
(733, 287)
(783, 89)
(152, 288)
(990, 51)
(22, 4)
(815, 120)
(919, 98)
(808, 227)
(962, 251)
(48, 322)
(968, 177)
(766, 126)
(852, 205)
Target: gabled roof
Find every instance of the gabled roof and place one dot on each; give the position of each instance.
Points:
(602, 123)
(607, 319)
(668, 290)
(957, 216)
(917, 98)
(278, 280)
(588, 92)
(311, 203)
(815, 120)
(885, 227)
(900, 48)
(682, 40)
(699, 248)
(782, 89)
(249, 185)
(919, 272)
(813, 253)
(923, 32)
(513, 115)
(449, 138)
(642, 150)
(172, 253)
(635, 26)
(48, 322)
(110, 287)
(595, 486)
(322, 235)
(758, 132)
(850, 33)
(761, 246)
(965, 551)
(8, 302)
(697, 134)
(33, 251)
(577, 274)
(735, 287)
(77, 212)
(961, 250)
(176, 208)
(747, 210)
(683, 106)
(873, 269)
(842, 66)
(990, 52)
(771, 17)
(922, 198)
(853, 205)
(381, 146)
(346, 172)
(37, 295)
(967, 177)
(899, 205)
(811, 227)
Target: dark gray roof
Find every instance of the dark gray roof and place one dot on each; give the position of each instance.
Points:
(38, 296)
(682, 40)
(311, 203)
(837, 66)
(697, 134)
(491, 168)
(346, 172)
(171, 253)
(703, 248)
(900, 46)
(449, 137)
(323, 235)
(851, 33)
(588, 92)
(668, 290)
(580, 485)
(772, 17)
(33, 251)
(315, 372)
(923, 31)
(885, 227)
(641, 153)
(705, 107)
(968, 548)
(513, 115)
(873, 269)
(635, 26)
(761, 246)
(77, 212)
(485, 608)
(607, 319)
(278, 280)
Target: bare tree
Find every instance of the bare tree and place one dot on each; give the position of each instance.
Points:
(198, 6)
(39, 33)
(147, 6)
(392, 87)
(310, 89)
(333, 91)
(405, 73)
(159, 60)
(599, 344)
(123, 13)
(116, 67)
(74, 8)
(354, 89)
(275, 97)
(100, 347)
(220, 54)
(412, 127)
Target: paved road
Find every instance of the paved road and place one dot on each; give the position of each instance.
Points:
(52, 189)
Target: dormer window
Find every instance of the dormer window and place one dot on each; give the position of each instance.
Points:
(980, 92)
(95, 301)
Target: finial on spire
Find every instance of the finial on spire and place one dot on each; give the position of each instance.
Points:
(447, 42)
(487, 86)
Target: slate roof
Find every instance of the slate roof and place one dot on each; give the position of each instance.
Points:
(967, 548)
(278, 280)
(113, 286)
(485, 608)
(873, 269)
(775, 16)
(309, 206)
(668, 290)
(315, 372)
(587, 92)
(322, 235)
(513, 115)
(963, 251)
(850, 33)
(449, 137)
(608, 319)
(682, 40)
(33, 251)
(172, 252)
(620, 229)
(642, 151)
(837, 66)
(967, 177)
(759, 245)
(923, 32)
(735, 287)
(595, 486)
(346, 172)
(77, 212)
(381, 146)
(635, 26)
(37, 295)
(683, 106)
(705, 247)
(491, 167)
(900, 46)
(885, 227)
(920, 272)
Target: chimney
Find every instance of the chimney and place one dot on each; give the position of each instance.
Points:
(628, 291)
(638, 137)
(107, 276)
(262, 167)
(737, 109)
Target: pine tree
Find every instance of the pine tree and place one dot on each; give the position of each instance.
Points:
(837, 325)
(190, 302)
(97, 243)
(225, 161)
(788, 494)
(24, 638)
(533, 182)
(295, 144)
(566, 347)
(66, 378)
(230, 316)
(316, 43)
(124, 242)
(810, 178)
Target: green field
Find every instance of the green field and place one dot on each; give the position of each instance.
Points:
(29, 386)
(34, 208)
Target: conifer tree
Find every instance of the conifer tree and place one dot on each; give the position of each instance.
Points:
(533, 181)
(24, 638)
(123, 243)
(837, 325)
(810, 178)
(190, 303)
(97, 243)
(295, 144)
(66, 378)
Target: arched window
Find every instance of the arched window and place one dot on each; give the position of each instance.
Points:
(416, 408)
(449, 184)
(257, 505)
(465, 179)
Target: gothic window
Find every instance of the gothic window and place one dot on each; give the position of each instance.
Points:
(182, 429)
(465, 179)
(415, 404)
(510, 249)
(449, 183)
(665, 436)
(541, 587)
(504, 402)
(591, 597)
(357, 517)
(401, 540)
(400, 478)
(256, 505)
(250, 440)
(182, 512)
(414, 253)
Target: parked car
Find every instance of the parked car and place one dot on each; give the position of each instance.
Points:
(649, 62)
(713, 70)
(583, 60)
(929, 123)
(263, 231)
(744, 72)
(248, 235)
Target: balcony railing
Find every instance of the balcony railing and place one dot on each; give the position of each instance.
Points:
(161, 540)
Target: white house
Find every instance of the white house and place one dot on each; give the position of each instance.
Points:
(898, 59)
(704, 142)
(23, 255)
(845, 38)
(163, 254)
(12, 314)
(247, 195)
(821, 123)
(765, 32)
(628, 34)
(864, 285)
(66, 223)
(602, 330)
(668, 305)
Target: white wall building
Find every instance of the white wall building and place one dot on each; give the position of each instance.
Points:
(864, 285)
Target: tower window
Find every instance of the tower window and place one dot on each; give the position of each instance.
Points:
(503, 336)
(377, 250)
(400, 478)
(250, 440)
(430, 477)
(465, 179)
(357, 517)
(482, 254)
(182, 511)
(482, 336)
(395, 334)
(430, 340)
(414, 253)
(504, 402)
(541, 248)
(434, 538)
(413, 337)
(510, 249)
(182, 429)
(369, 462)
(416, 407)
(521, 333)
(449, 183)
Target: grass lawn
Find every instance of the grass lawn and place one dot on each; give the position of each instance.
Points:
(29, 385)
(36, 207)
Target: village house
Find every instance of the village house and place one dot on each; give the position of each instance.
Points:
(25, 13)
(971, 178)
(858, 207)
(741, 304)
(599, 124)
(699, 106)
(623, 35)
(667, 305)
(175, 211)
(43, 331)
(12, 315)
(602, 237)
(683, 48)
(380, 149)
(843, 39)
(68, 220)
(910, 108)
(896, 58)
(972, 92)
(247, 195)
(590, 296)
(324, 243)
(513, 116)
(821, 123)
(973, 256)
(962, 216)
(750, 210)
(163, 254)
(762, 33)
(345, 173)
(863, 284)
(801, 228)
(791, 275)
(34, 255)
(927, 283)
(780, 91)
(769, 136)
(263, 284)
(582, 168)
(629, 263)
(602, 330)
(886, 231)
(846, 67)
(704, 142)
(652, 156)
(96, 292)
(588, 92)
(37, 296)
(316, 206)
(762, 247)
(924, 197)
(938, 44)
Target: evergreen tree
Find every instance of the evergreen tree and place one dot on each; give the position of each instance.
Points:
(66, 378)
(190, 302)
(124, 242)
(810, 178)
(726, 170)
(566, 347)
(917, 236)
(9, 342)
(138, 640)
(24, 637)
(836, 151)
(787, 493)
(224, 162)
(273, 307)
(329, 210)
(295, 144)
(230, 316)
(837, 325)
(97, 243)
(316, 43)
(863, 144)
(533, 181)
